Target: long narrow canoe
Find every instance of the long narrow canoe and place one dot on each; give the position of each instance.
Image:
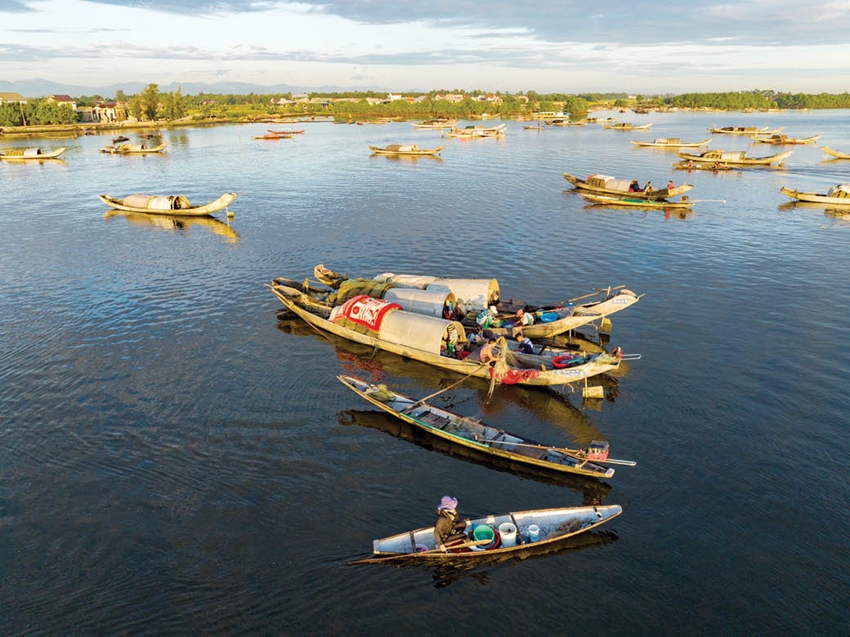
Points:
(167, 204)
(835, 153)
(637, 203)
(437, 124)
(671, 142)
(520, 531)
(473, 434)
(836, 198)
(605, 185)
(30, 153)
(405, 149)
(133, 149)
(420, 337)
(781, 140)
(744, 130)
(734, 158)
(626, 126)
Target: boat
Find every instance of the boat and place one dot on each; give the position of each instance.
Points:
(438, 123)
(474, 434)
(167, 204)
(670, 142)
(633, 202)
(431, 295)
(120, 138)
(834, 153)
(744, 130)
(538, 127)
(286, 132)
(716, 166)
(835, 196)
(274, 136)
(780, 140)
(606, 185)
(512, 532)
(734, 158)
(563, 122)
(383, 324)
(133, 149)
(405, 149)
(23, 154)
(478, 131)
(626, 126)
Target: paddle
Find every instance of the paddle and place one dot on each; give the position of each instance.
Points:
(389, 558)
(437, 393)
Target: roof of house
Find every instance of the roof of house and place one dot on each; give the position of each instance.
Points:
(63, 98)
(12, 97)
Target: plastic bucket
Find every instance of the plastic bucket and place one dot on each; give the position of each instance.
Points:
(486, 532)
(508, 533)
(533, 533)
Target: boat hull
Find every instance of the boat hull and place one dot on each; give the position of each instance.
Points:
(419, 152)
(834, 153)
(662, 193)
(51, 155)
(193, 211)
(704, 142)
(637, 203)
(554, 525)
(811, 197)
(722, 157)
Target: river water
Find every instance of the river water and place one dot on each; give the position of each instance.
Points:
(177, 459)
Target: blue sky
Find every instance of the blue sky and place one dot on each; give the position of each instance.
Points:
(542, 45)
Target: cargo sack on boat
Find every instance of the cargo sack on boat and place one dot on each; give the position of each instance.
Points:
(17, 152)
(598, 181)
(841, 191)
(351, 288)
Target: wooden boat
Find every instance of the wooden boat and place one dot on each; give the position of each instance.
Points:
(405, 149)
(835, 196)
(24, 154)
(512, 532)
(834, 153)
(167, 204)
(632, 202)
(563, 122)
(670, 142)
(286, 132)
(430, 295)
(274, 136)
(439, 123)
(133, 149)
(478, 131)
(734, 158)
(626, 126)
(606, 185)
(473, 434)
(538, 127)
(744, 130)
(120, 138)
(382, 324)
(716, 166)
(781, 140)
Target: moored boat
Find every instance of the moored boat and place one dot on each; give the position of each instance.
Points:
(286, 132)
(835, 153)
(784, 140)
(23, 154)
(716, 166)
(474, 434)
(670, 142)
(478, 131)
(434, 295)
(274, 136)
(167, 204)
(438, 123)
(511, 532)
(133, 149)
(405, 149)
(382, 324)
(836, 196)
(734, 158)
(744, 130)
(627, 126)
(606, 185)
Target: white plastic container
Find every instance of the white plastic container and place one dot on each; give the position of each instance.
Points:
(507, 531)
(533, 532)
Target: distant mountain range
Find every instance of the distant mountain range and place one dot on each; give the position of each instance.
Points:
(43, 88)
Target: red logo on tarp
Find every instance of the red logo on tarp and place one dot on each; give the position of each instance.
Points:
(367, 310)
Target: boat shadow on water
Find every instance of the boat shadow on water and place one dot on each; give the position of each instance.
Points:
(445, 573)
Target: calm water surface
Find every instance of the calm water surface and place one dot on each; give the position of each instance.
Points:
(175, 459)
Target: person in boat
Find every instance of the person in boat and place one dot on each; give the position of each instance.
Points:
(670, 185)
(525, 345)
(476, 337)
(487, 355)
(634, 186)
(648, 187)
(525, 318)
(448, 530)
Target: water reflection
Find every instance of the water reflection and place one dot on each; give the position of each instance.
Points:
(408, 159)
(669, 213)
(446, 573)
(176, 223)
(592, 490)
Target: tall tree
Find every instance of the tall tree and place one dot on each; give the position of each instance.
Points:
(150, 101)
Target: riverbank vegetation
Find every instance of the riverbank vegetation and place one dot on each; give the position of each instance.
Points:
(152, 105)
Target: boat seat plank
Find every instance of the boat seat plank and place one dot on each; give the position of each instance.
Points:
(433, 419)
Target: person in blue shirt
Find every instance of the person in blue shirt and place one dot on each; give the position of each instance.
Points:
(525, 344)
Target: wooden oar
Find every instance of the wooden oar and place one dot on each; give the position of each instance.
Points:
(437, 393)
(388, 558)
